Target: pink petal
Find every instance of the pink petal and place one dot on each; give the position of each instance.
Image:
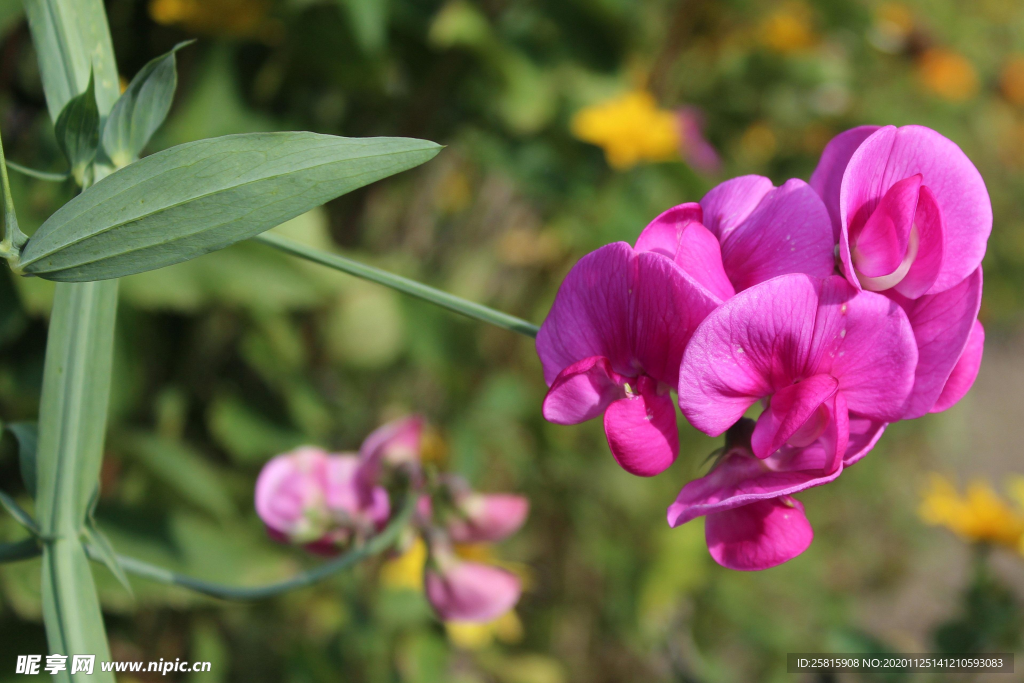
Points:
(394, 443)
(942, 324)
(740, 480)
(582, 391)
(470, 591)
(879, 247)
(641, 430)
(663, 234)
(791, 409)
(864, 434)
(827, 179)
(836, 437)
(751, 346)
(591, 313)
(866, 342)
(931, 247)
(730, 203)
(964, 372)
(289, 487)
(667, 307)
(678, 235)
(489, 517)
(890, 155)
(759, 535)
(696, 150)
(789, 231)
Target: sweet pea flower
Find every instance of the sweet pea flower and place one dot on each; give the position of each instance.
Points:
(815, 350)
(753, 522)
(612, 344)
(909, 210)
(912, 218)
(745, 231)
(311, 497)
(950, 343)
(487, 517)
(469, 591)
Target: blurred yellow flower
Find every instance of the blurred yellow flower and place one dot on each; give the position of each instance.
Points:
(630, 129)
(472, 636)
(406, 570)
(758, 143)
(217, 17)
(893, 25)
(789, 29)
(947, 74)
(981, 515)
(1011, 80)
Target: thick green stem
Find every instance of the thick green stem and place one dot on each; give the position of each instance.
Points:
(419, 290)
(72, 42)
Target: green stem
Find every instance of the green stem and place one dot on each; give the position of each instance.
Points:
(19, 514)
(72, 41)
(40, 175)
(374, 546)
(469, 309)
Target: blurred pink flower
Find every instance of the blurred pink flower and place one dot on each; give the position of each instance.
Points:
(313, 498)
(693, 146)
(814, 349)
(487, 517)
(470, 591)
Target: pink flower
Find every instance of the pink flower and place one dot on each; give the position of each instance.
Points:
(949, 339)
(753, 522)
(693, 146)
(912, 218)
(612, 344)
(814, 349)
(745, 231)
(395, 444)
(470, 591)
(909, 209)
(310, 497)
(488, 517)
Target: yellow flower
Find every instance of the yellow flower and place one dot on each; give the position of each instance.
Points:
(472, 636)
(630, 129)
(406, 570)
(980, 515)
(218, 17)
(789, 29)
(947, 74)
(1011, 80)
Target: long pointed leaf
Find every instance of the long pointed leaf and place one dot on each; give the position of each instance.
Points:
(78, 132)
(202, 196)
(141, 109)
(27, 436)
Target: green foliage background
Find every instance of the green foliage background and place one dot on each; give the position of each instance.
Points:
(226, 360)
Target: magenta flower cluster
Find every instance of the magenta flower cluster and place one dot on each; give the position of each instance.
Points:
(840, 306)
(331, 502)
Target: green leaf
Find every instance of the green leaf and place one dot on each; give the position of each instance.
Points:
(100, 545)
(19, 514)
(202, 196)
(27, 435)
(78, 131)
(141, 108)
(185, 471)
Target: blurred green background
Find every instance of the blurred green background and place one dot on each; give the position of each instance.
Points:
(224, 361)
